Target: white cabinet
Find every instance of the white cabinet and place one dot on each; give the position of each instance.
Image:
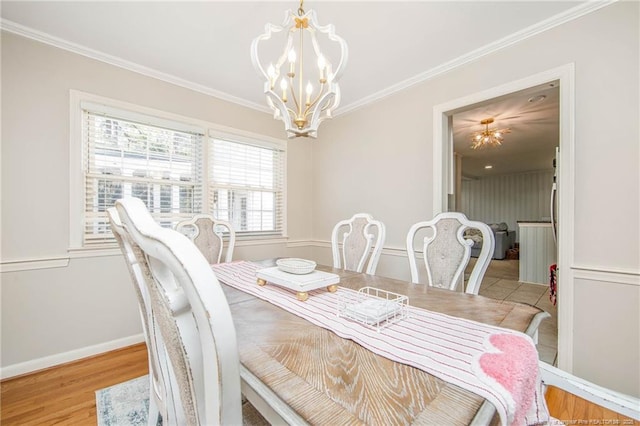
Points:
(537, 251)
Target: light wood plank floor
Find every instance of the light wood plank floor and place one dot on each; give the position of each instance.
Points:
(65, 395)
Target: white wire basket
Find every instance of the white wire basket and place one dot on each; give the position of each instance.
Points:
(373, 307)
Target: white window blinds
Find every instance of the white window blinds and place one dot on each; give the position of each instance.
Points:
(246, 186)
(160, 164)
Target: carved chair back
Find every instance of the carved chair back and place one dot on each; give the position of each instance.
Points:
(193, 317)
(209, 235)
(446, 253)
(357, 240)
(160, 400)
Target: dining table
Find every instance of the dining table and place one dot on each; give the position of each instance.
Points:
(296, 372)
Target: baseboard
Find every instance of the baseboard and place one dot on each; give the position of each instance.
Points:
(62, 358)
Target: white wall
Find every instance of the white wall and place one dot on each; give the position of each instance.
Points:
(378, 159)
(508, 198)
(87, 304)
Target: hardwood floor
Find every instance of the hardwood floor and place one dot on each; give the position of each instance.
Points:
(65, 394)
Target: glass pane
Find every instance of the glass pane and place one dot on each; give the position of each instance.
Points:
(249, 211)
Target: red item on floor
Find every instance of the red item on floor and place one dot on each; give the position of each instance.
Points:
(553, 283)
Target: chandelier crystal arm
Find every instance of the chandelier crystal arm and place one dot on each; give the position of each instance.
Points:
(488, 137)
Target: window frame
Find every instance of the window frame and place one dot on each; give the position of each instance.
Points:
(80, 100)
(250, 141)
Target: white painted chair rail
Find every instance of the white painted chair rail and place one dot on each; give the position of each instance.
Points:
(446, 252)
(353, 248)
(615, 401)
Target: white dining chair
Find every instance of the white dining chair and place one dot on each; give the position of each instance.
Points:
(446, 252)
(357, 242)
(198, 332)
(210, 235)
(161, 402)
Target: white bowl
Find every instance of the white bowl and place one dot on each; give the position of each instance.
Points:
(293, 265)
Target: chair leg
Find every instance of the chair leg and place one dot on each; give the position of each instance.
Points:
(154, 410)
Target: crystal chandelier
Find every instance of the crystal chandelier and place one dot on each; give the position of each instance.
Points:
(301, 84)
(488, 137)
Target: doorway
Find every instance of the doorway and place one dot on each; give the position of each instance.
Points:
(445, 177)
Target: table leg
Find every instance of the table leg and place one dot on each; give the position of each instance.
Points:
(261, 282)
(302, 296)
(332, 288)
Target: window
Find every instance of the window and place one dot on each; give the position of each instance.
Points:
(178, 168)
(161, 166)
(246, 186)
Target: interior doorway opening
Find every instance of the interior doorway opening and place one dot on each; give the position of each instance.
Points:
(446, 178)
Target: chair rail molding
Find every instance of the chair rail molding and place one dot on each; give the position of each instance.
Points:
(33, 264)
(608, 275)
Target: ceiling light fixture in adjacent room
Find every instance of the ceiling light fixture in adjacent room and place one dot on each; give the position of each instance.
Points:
(301, 84)
(488, 137)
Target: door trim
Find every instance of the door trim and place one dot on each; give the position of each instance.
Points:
(442, 178)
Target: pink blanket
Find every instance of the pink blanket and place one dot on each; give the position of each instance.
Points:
(498, 364)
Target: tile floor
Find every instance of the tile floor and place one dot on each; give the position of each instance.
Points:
(501, 282)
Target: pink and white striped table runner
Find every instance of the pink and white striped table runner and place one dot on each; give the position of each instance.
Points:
(498, 364)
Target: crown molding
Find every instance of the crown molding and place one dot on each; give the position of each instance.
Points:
(43, 37)
(554, 21)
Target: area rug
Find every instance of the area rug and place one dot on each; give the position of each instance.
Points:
(124, 404)
(127, 404)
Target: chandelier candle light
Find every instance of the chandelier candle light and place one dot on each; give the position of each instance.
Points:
(488, 137)
(300, 92)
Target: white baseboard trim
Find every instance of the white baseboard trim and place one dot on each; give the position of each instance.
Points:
(62, 358)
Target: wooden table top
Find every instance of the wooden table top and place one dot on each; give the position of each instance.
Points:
(329, 380)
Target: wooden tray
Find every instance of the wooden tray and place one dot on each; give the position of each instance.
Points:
(299, 283)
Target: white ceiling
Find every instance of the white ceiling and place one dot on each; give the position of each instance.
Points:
(205, 45)
(533, 118)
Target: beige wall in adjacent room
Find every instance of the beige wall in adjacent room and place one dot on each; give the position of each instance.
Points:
(378, 159)
(65, 310)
